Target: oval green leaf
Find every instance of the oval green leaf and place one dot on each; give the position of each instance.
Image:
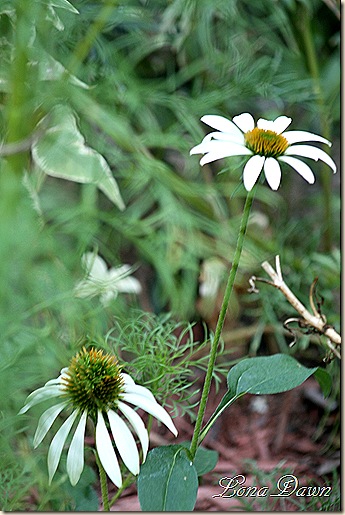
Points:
(205, 459)
(260, 375)
(168, 480)
(267, 375)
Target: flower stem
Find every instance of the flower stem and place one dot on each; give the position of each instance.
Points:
(128, 481)
(104, 485)
(220, 323)
(19, 112)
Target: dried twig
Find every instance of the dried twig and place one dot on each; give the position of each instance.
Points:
(315, 321)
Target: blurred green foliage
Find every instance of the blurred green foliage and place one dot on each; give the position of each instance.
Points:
(138, 75)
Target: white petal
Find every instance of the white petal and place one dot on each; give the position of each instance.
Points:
(278, 125)
(312, 152)
(106, 452)
(127, 378)
(199, 149)
(56, 381)
(273, 172)
(119, 272)
(140, 390)
(40, 395)
(151, 407)
(124, 442)
(222, 124)
(225, 136)
(252, 171)
(46, 421)
(129, 285)
(55, 449)
(224, 150)
(300, 168)
(244, 121)
(94, 265)
(75, 456)
(107, 296)
(297, 136)
(137, 424)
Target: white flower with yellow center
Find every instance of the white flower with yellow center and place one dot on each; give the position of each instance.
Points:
(268, 144)
(94, 386)
(104, 282)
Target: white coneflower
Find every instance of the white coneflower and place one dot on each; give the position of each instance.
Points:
(94, 386)
(268, 144)
(104, 282)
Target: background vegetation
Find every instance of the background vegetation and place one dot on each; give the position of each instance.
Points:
(136, 76)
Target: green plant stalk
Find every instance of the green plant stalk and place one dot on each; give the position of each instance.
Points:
(220, 322)
(128, 481)
(104, 486)
(313, 65)
(20, 116)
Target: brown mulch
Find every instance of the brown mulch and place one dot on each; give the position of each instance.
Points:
(262, 438)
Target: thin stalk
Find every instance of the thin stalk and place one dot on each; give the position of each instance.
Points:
(128, 481)
(19, 110)
(104, 485)
(220, 323)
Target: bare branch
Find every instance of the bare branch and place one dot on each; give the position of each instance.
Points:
(316, 320)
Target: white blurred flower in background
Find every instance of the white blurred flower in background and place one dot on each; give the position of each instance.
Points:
(106, 283)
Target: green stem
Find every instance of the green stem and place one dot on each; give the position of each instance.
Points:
(128, 481)
(220, 323)
(20, 109)
(104, 485)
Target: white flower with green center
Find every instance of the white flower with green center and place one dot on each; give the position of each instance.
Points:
(104, 282)
(94, 386)
(268, 144)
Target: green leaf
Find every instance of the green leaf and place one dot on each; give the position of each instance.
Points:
(61, 152)
(51, 69)
(267, 375)
(260, 375)
(168, 480)
(205, 459)
(325, 381)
